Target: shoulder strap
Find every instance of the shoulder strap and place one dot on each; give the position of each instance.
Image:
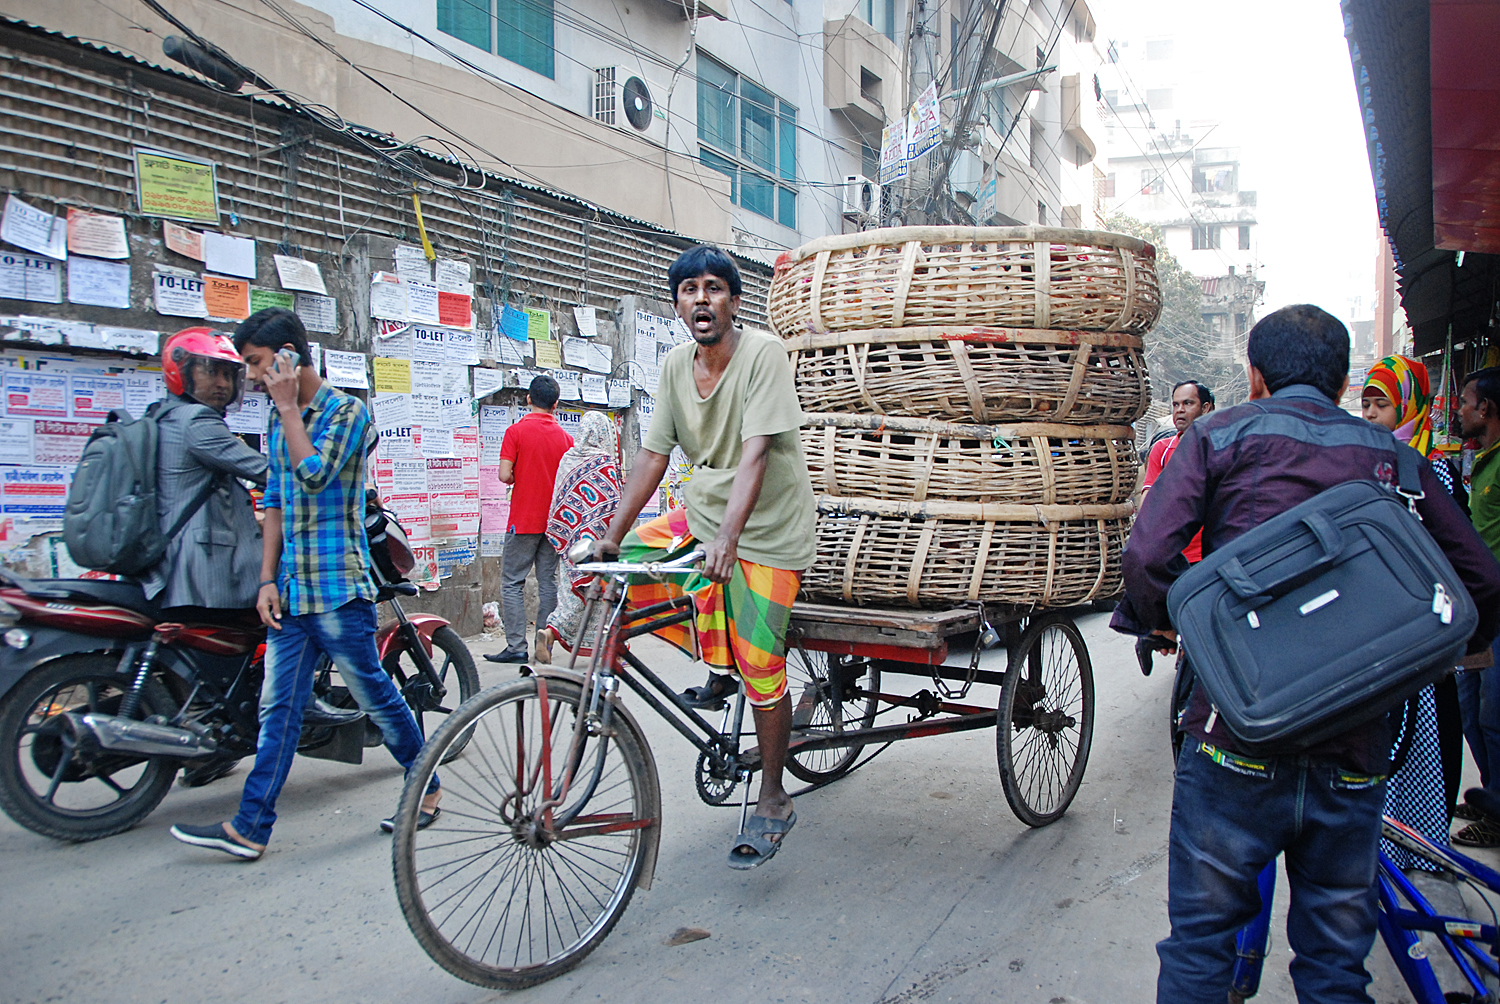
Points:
(1409, 476)
(192, 510)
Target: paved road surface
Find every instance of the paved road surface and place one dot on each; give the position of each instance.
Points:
(908, 881)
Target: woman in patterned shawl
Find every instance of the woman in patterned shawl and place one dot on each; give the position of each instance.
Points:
(584, 498)
(1398, 396)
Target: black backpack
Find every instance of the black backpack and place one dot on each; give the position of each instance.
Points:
(1324, 617)
(111, 523)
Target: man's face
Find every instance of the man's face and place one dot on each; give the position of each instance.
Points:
(258, 359)
(1470, 414)
(1186, 408)
(706, 306)
(214, 383)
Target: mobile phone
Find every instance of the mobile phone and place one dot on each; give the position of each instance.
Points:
(288, 360)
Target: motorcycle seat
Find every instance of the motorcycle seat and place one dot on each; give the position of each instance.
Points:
(125, 594)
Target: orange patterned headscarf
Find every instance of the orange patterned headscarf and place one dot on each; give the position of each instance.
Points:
(1404, 382)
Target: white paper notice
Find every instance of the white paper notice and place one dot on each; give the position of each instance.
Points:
(179, 294)
(619, 393)
(229, 255)
(588, 321)
(95, 397)
(453, 276)
(594, 390)
(396, 442)
(388, 296)
(253, 416)
(83, 336)
(412, 263)
(455, 381)
(427, 378)
(318, 313)
(141, 389)
(594, 356)
(487, 381)
(391, 410)
(460, 348)
(15, 441)
(34, 229)
(139, 341)
(426, 410)
(29, 394)
(316, 350)
(427, 345)
(458, 412)
(30, 277)
(510, 352)
(298, 273)
(436, 442)
(99, 283)
(645, 340)
(422, 302)
(347, 369)
(567, 382)
(397, 346)
(650, 377)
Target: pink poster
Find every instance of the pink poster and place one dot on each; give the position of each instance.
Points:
(494, 501)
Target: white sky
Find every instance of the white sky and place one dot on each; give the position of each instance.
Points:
(1276, 75)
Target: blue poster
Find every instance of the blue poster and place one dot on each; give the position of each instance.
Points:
(513, 323)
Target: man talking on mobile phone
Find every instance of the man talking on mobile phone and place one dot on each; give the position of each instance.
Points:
(315, 594)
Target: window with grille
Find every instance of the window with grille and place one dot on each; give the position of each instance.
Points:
(1244, 238)
(750, 135)
(1206, 238)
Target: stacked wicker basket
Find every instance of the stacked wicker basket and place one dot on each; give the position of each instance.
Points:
(969, 393)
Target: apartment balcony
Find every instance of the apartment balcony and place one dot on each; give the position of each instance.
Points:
(1080, 113)
(861, 73)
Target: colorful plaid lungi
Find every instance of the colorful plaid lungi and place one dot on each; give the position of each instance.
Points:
(741, 624)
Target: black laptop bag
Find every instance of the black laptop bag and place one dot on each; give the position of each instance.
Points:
(1324, 617)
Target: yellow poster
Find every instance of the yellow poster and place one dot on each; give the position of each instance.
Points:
(548, 354)
(175, 186)
(392, 376)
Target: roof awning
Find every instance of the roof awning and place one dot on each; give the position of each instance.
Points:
(1466, 125)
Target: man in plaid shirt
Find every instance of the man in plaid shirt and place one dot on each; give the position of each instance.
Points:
(316, 561)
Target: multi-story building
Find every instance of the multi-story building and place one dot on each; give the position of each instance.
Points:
(1164, 171)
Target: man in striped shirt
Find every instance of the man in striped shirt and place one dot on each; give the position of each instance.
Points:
(316, 594)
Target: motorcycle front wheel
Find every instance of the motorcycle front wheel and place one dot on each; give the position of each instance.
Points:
(54, 782)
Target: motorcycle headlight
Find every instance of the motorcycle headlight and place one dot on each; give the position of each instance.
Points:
(17, 638)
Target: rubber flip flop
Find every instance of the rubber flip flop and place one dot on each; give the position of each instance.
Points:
(709, 697)
(755, 839)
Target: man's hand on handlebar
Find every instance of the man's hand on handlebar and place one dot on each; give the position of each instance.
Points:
(593, 550)
(719, 557)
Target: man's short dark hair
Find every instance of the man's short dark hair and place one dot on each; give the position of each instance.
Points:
(703, 259)
(1300, 344)
(544, 391)
(271, 329)
(1205, 396)
(1486, 386)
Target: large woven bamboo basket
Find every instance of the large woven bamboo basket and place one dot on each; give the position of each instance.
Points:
(873, 456)
(1023, 277)
(942, 553)
(973, 374)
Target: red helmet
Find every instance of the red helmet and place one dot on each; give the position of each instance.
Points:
(193, 351)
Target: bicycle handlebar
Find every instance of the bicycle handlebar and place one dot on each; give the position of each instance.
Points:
(685, 564)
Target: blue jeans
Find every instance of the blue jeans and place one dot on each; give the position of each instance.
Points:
(347, 636)
(1479, 703)
(1227, 823)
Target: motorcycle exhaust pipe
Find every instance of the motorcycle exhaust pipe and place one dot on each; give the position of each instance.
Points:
(127, 735)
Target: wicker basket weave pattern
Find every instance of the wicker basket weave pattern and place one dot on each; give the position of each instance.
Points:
(942, 554)
(1025, 277)
(906, 458)
(979, 375)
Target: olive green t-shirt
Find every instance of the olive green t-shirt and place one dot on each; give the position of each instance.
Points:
(755, 397)
(1484, 497)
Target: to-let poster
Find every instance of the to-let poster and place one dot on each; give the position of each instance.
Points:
(225, 298)
(428, 345)
(30, 277)
(29, 394)
(179, 294)
(58, 442)
(392, 376)
(254, 415)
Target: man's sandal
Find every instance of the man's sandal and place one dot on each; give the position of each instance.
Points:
(712, 694)
(754, 847)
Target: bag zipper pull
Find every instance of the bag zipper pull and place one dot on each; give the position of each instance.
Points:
(1213, 718)
(1439, 597)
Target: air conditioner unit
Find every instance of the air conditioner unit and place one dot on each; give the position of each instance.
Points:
(861, 198)
(631, 102)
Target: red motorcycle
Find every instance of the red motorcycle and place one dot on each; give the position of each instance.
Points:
(101, 702)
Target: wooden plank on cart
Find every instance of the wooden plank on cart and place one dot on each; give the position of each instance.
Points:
(902, 635)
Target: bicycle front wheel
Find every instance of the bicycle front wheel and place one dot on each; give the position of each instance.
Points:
(492, 896)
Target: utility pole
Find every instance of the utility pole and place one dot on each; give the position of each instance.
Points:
(921, 66)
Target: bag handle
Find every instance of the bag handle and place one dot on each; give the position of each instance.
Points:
(1330, 540)
(1409, 477)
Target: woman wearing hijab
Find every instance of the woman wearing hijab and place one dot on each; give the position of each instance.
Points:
(584, 498)
(1423, 792)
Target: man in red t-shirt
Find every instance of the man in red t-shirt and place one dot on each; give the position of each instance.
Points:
(1191, 400)
(528, 460)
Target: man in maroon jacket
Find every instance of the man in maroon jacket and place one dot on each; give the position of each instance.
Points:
(1232, 813)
